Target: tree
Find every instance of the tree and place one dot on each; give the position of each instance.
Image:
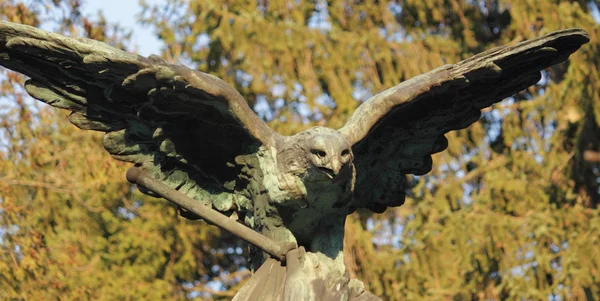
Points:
(70, 227)
(508, 212)
(509, 209)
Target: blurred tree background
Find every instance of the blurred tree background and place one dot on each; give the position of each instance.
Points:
(510, 210)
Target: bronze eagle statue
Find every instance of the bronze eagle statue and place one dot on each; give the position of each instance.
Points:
(198, 135)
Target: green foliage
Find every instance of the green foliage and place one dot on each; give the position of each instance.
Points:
(71, 228)
(508, 212)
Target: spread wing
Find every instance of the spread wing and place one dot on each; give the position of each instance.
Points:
(395, 132)
(182, 126)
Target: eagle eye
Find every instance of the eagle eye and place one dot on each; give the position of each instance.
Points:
(345, 152)
(318, 153)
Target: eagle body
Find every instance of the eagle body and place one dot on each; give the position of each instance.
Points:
(300, 200)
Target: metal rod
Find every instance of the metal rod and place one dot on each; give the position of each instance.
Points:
(277, 250)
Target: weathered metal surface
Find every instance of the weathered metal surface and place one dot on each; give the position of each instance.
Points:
(137, 176)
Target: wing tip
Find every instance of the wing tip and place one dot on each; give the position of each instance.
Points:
(576, 34)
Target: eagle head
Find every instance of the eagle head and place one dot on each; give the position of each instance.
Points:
(316, 156)
(328, 152)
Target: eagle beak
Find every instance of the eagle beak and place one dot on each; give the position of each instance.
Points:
(335, 167)
(332, 170)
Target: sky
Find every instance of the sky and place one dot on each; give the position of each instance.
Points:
(124, 12)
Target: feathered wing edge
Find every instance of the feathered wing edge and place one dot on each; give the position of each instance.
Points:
(395, 132)
(184, 127)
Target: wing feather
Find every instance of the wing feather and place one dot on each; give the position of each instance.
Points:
(183, 126)
(395, 132)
